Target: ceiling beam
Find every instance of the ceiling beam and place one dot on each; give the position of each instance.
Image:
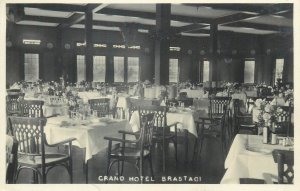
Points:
(267, 10)
(189, 28)
(77, 17)
(45, 19)
(58, 7)
(120, 24)
(150, 15)
(74, 19)
(255, 8)
(233, 18)
(261, 26)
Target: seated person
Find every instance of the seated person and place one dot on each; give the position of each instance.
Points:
(278, 99)
(240, 94)
(224, 93)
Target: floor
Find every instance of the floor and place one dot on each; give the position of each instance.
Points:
(207, 169)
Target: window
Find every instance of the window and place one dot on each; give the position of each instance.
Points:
(81, 68)
(133, 69)
(118, 69)
(249, 71)
(279, 69)
(31, 67)
(173, 70)
(99, 68)
(205, 71)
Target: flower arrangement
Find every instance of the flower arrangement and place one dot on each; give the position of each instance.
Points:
(267, 113)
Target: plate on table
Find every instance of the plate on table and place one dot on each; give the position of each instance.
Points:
(259, 150)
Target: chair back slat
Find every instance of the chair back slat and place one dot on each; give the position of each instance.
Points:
(146, 134)
(29, 132)
(13, 100)
(217, 105)
(32, 108)
(100, 106)
(160, 116)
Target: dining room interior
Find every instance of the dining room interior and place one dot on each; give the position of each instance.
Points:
(188, 93)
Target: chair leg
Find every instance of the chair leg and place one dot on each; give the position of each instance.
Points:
(151, 167)
(122, 167)
(71, 170)
(175, 148)
(201, 144)
(141, 170)
(164, 156)
(44, 178)
(186, 140)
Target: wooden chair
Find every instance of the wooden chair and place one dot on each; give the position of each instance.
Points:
(11, 159)
(284, 121)
(282, 158)
(162, 134)
(132, 151)
(30, 135)
(242, 121)
(100, 106)
(218, 131)
(32, 108)
(13, 100)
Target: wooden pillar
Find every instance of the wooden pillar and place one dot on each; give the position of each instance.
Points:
(89, 45)
(213, 69)
(60, 69)
(162, 44)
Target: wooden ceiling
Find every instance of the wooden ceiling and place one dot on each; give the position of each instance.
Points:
(186, 19)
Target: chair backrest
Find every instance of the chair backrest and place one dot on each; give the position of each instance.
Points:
(160, 115)
(217, 104)
(56, 100)
(284, 158)
(146, 133)
(13, 100)
(29, 133)
(284, 118)
(11, 158)
(101, 106)
(32, 108)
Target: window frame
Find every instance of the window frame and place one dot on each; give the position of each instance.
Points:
(254, 70)
(178, 71)
(139, 68)
(40, 73)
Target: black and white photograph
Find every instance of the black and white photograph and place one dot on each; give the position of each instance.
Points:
(147, 93)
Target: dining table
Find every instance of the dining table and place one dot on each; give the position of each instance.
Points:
(249, 157)
(89, 133)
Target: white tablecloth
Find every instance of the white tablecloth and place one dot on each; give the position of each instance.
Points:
(88, 135)
(50, 110)
(242, 163)
(185, 120)
(195, 93)
(85, 96)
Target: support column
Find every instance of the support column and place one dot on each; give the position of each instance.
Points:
(162, 44)
(89, 45)
(60, 69)
(213, 70)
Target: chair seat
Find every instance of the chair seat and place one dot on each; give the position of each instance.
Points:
(36, 161)
(251, 181)
(128, 152)
(211, 132)
(159, 137)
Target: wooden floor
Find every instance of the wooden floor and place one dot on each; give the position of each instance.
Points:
(207, 169)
